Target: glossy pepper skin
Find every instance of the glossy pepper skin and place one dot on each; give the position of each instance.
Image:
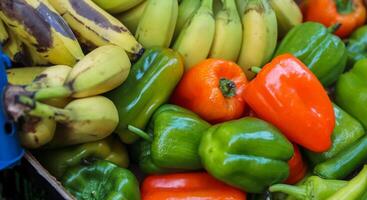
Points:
(346, 132)
(297, 167)
(150, 83)
(287, 94)
(357, 46)
(355, 188)
(351, 92)
(188, 186)
(57, 161)
(247, 153)
(213, 89)
(322, 52)
(349, 13)
(313, 188)
(175, 135)
(101, 180)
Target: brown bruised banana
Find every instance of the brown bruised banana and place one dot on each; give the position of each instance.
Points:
(42, 29)
(98, 72)
(95, 27)
(82, 120)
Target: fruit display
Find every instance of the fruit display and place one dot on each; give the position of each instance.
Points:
(191, 99)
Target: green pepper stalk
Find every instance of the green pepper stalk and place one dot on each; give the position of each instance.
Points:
(355, 189)
(313, 188)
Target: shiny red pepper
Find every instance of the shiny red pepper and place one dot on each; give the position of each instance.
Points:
(188, 186)
(297, 167)
(288, 95)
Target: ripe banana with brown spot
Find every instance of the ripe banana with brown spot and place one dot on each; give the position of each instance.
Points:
(132, 17)
(39, 26)
(36, 131)
(95, 27)
(196, 37)
(3, 33)
(260, 34)
(117, 6)
(228, 32)
(14, 48)
(288, 14)
(23, 75)
(157, 25)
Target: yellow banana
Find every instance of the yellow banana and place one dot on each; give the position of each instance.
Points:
(132, 17)
(95, 27)
(117, 6)
(288, 14)
(39, 26)
(228, 32)
(98, 72)
(3, 33)
(36, 132)
(196, 37)
(24, 75)
(14, 48)
(157, 25)
(259, 35)
(186, 9)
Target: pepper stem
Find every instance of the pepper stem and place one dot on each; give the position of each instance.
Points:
(344, 6)
(334, 28)
(140, 133)
(52, 92)
(227, 87)
(298, 192)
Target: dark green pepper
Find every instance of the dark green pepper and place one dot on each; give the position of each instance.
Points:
(351, 92)
(173, 135)
(149, 84)
(101, 180)
(248, 153)
(346, 132)
(314, 188)
(357, 45)
(57, 161)
(324, 53)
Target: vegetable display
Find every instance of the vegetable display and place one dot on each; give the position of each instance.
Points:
(190, 99)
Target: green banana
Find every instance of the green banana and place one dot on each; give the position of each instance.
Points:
(186, 9)
(38, 25)
(117, 6)
(260, 35)
(157, 25)
(132, 17)
(228, 32)
(196, 37)
(288, 14)
(3, 33)
(95, 27)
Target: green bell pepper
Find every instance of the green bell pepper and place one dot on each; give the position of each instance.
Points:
(351, 92)
(101, 180)
(248, 153)
(314, 188)
(346, 132)
(172, 140)
(357, 45)
(324, 53)
(57, 161)
(149, 84)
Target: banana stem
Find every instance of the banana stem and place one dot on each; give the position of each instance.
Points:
(52, 92)
(45, 111)
(140, 133)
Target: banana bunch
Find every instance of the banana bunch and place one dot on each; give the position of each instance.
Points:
(132, 17)
(197, 35)
(14, 48)
(260, 34)
(42, 30)
(117, 6)
(95, 27)
(4, 36)
(157, 24)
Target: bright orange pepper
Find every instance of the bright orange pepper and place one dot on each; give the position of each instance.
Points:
(188, 186)
(349, 13)
(213, 89)
(297, 167)
(288, 95)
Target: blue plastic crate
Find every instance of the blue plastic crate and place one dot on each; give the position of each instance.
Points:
(10, 149)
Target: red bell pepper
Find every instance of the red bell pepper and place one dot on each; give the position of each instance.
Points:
(188, 186)
(297, 167)
(288, 95)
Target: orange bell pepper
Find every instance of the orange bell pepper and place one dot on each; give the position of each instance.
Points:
(213, 89)
(297, 167)
(288, 95)
(188, 186)
(351, 14)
